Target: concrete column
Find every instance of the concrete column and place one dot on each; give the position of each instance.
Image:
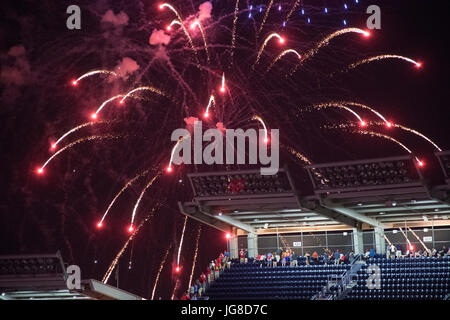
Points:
(358, 244)
(252, 246)
(380, 242)
(233, 245)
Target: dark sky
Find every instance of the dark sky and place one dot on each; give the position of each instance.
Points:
(59, 211)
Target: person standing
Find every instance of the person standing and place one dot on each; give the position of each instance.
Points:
(337, 256)
(241, 256)
(294, 261)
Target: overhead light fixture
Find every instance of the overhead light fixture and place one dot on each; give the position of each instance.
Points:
(345, 233)
(382, 213)
(360, 174)
(394, 231)
(266, 225)
(425, 229)
(425, 218)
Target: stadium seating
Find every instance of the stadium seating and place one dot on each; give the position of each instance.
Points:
(405, 279)
(250, 281)
(401, 279)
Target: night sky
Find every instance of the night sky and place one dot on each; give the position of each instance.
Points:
(39, 57)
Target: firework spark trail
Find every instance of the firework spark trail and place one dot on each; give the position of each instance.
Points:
(177, 285)
(91, 73)
(87, 124)
(181, 240)
(127, 185)
(380, 135)
(233, 34)
(340, 106)
(379, 115)
(298, 154)
(265, 18)
(281, 55)
(419, 134)
(124, 247)
(211, 101)
(292, 10)
(151, 89)
(169, 167)
(161, 266)
(381, 57)
(222, 88)
(376, 134)
(258, 118)
(186, 32)
(421, 242)
(195, 255)
(41, 169)
(94, 115)
(395, 125)
(202, 31)
(401, 230)
(270, 36)
(140, 198)
(174, 22)
(325, 41)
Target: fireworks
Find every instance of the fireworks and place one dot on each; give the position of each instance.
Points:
(127, 185)
(40, 170)
(282, 54)
(384, 56)
(195, 254)
(95, 114)
(266, 138)
(91, 73)
(270, 36)
(151, 89)
(181, 77)
(265, 17)
(211, 101)
(54, 145)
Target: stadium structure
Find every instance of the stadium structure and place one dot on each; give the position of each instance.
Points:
(355, 206)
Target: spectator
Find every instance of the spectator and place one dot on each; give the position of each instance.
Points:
(278, 254)
(283, 258)
(372, 253)
(203, 280)
(241, 255)
(337, 256)
(307, 255)
(209, 274)
(393, 251)
(192, 292)
(269, 259)
(216, 271)
(294, 261)
(246, 256)
(186, 296)
(315, 258)
(443, 251)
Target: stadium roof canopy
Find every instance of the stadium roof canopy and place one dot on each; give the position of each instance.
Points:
(385, 192)
(43, 277)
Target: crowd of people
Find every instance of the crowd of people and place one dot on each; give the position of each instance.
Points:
(288, 257)
(393, 251)
(212, 272)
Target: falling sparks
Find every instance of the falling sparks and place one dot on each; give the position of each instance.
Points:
(161, 267)
(292, 10)
(127, 185)
(91, 73)
(40, 170)
(269, 37)
(282, 54)
(340, 106)
(54, 145)
(233, 34)
(169, 167)
(125, 246)
(211, 101)
(265, 17)
(186, 32)
(151, 89)
(181, 240)
(202, 31)
(95, 114)
(382, 57)
(136, 206)
(195, 255)
(258, 118)
(174, 22)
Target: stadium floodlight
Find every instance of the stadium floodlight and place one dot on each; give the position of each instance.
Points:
(31, 265)
(239, 183)
(444, 160)
(364, 174)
